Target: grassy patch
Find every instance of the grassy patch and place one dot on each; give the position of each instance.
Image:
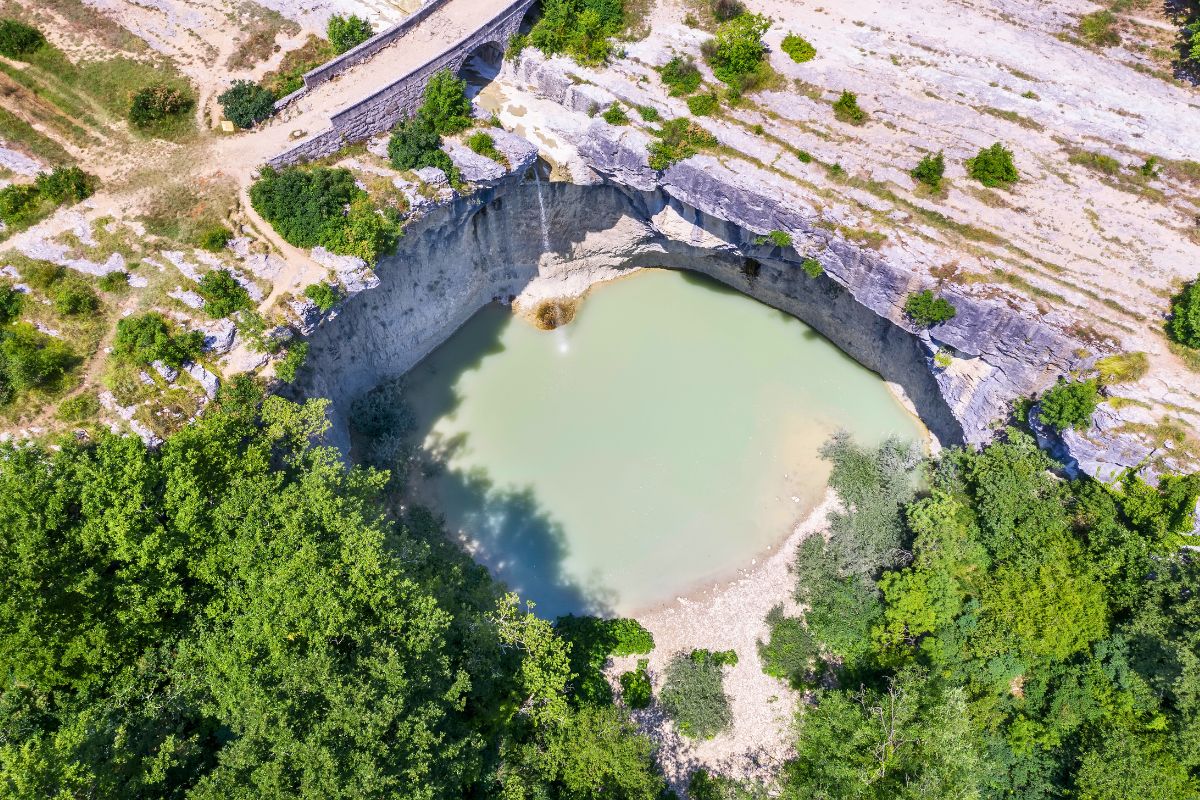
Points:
(1014, 117)
(289, 77)
(1099, 29)
(1123, 368)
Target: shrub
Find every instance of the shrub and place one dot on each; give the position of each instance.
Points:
(214, 238)
(246, 104)
(24, 204)
(791, 651)
(993, 166)
(1070, 404)
(222, 294)
(20, 204)
(942, 359)
(65, 185)
(578, 28)
(593, 640)
(679, 139)
(846, 109)
(722, 658)
(156, 104)
(83, 406)
(615, 115)
(148, 337)
(346, 33)
(798, 48)
(776, 238)
(1184, 326)
(445, 104)
(10, 303)
(693, 695)
(635, 686)
(114, 281)
(649, 113)
(725, 10)
(483, 144)
(323, 295)
(930, 170)
(738, 51)
(18, 40)
(680, 75)
(516, 44)
(1098, 29)
(925, 309)
(30, 359)
(73, 296)
(703, 105)
(1123, 368)
(812, 267)
(291, 363)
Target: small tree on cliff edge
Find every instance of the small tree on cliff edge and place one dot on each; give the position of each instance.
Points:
(346, 33)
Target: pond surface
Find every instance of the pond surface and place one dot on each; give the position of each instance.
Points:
(663, 439)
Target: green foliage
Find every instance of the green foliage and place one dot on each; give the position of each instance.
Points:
(738, 51)
(1123, 368)
(592, 641)
(798, 48)
(812, 268)
(1099, 28)
(516, 45)
(417, 142)
(158, 104)
(649, 113)
(234, 615)
(722, 658)
(930, 170)
(65, 185)
(1184, 325)
(147, 338)
(246, 104)
(80, 408)
(615, 115)
(308, 207)
(346, 33)
(291, 363)
(1070, 404)
(322, 294)
(693, 695)
(222, 294)
(578, 28)
(288, 77)
(926, 309)
(30, 359)
(993, 166)
(680, 75)
(73, 296)
(635, 686)
(776, 238)
(10, 303)
(791, 652)
(445, 105)
(702, 785)
(22, 205)
(214, 238)
(483, 144)
(114, 281)
(703, 105)
(725, 10)
(18, 40)
(678, 139)
(846, 109)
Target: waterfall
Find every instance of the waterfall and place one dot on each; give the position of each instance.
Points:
(542, 210)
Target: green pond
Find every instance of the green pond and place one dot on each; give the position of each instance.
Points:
(662, 440)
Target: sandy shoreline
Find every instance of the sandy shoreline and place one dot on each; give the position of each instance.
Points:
(730, 616)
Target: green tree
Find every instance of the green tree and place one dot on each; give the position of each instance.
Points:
(737, 51)
(10, 303)
(1069, 404)
(322, 294)
(993, 166)
(246, 104)
(157, 104)
(846, 109)
(680, 75)
(445, 105)
(1184, 325)
(346, 33)
(222, 294)
(926, 309)
(148, 337)
(73, 296)
(578, 28)
(930, 170)
(30, 359)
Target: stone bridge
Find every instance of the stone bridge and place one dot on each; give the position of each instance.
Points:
(367, 90)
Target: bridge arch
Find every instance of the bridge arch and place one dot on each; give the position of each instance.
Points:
(481, 66)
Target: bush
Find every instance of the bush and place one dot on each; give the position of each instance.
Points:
(925, 309)
(246, 104)
(73, 296)
(214, 238)
(703, 105)
(30, 359)
(798, 48)
(930, 171)
(483, 144)
(993, 167)
(725, 10)
(1184, 326)
(812, 267)
(18, 40)
(24, 204)
(635, 686)
(10, 303)
(222, 294)
(615, 115)
(846, 109)
(156, 104)
(593, 640)
(114, 281)
(738, 50)
(790, 653)
(291, 363)
(679, 139)
(445, 104)
(65, 185)
(1070, 404)
(648, 113)
(776, 238)
(693, 695)
(148, 338)
(346, 33)
(323, 295)
(578, 28)
(680, 75)
(1098, 29)
(79, 408)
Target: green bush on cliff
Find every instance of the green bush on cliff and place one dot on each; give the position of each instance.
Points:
(737, 52)
(147, 338)
(1184, 326)
(926, 309)
(346, 33)
(1070, 404)
(578, 28)
(993, 166)
(678, 139)
(798, 48)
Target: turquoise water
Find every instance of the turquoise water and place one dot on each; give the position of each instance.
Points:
(665, 438)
